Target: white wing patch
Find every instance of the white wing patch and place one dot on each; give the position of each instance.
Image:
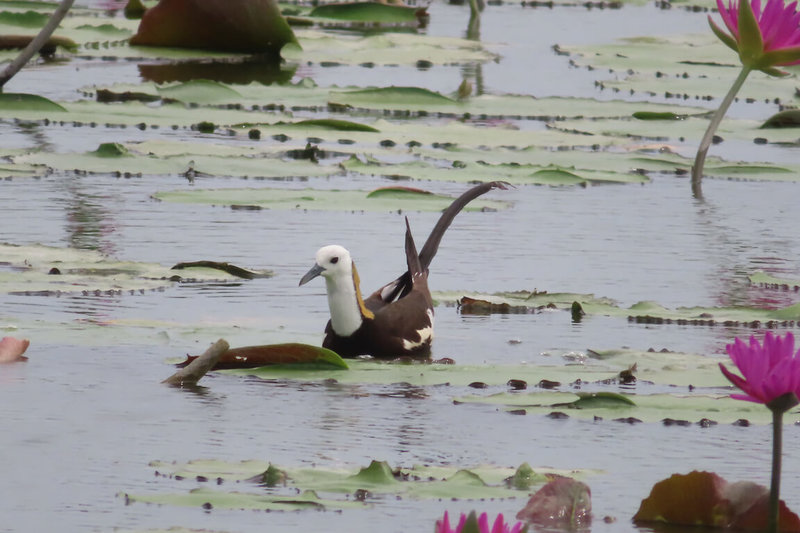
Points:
(425, 334)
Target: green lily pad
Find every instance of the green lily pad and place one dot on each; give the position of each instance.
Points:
(379, 479)
(367, 12)
(680, 408)
(680, 66)
(768, 280)
(207, 498)
(44, 270)
(176, 159)
(641, 312)
(327, 200)
(599, 367)
(28, 102)
(200, 92)
(291, 356)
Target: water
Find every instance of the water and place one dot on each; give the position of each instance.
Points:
(83, 417)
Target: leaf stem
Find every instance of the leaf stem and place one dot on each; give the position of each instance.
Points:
(716, 119)
(775, 485)
(36, 44)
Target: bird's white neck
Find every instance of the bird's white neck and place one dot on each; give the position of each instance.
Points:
(346, 303)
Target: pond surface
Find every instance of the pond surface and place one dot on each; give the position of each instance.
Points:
(83, 418)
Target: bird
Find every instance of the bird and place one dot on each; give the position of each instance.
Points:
(397, 319)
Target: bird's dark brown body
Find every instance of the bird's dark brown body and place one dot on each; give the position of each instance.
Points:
(397, 319)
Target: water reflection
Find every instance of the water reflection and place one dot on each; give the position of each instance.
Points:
(90, 224)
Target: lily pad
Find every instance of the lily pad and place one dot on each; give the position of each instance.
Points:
(32, 102)
(318, 200)
(706, 499)
(378, 479)
(289, 355)
(250, 26)
(45, 270)
(642, 312)
(207, 498)
(679, 408)
(769, 281)
(368, 12)
(597, 370)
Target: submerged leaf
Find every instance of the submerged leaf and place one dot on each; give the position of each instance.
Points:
(562, 503)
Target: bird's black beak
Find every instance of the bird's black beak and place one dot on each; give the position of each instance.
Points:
(315, 271)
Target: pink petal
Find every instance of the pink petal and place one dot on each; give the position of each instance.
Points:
(483, 523)
(443, 525)
(499, 525)
(461, 523)
(11, 349)
(728, 15)
(740, 384)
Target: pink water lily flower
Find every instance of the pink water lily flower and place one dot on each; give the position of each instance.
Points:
(475, 524)
(763, 38)
(769, 370)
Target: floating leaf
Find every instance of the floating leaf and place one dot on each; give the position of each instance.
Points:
(216, 499)
(655, 115)
(335, 124)
(18, 42)
(369, 12)
(397, 192)
(324, 200)
(199, 92)
(288, 355)
(768, 280)
(27, 102)
(378, 479)
(563, 504)
(599, 400)
(641, 312)
(252, 26)
(415, 98)
(525, 477)
(233, 270)
(111, 150)
(706, 499)
(28, 19)
(377, 474)
(680, 408)
(788, 118)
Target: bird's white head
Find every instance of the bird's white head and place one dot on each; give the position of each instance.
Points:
(333, 263)
(344, 295)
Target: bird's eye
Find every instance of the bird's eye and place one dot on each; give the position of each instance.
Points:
(334, 260)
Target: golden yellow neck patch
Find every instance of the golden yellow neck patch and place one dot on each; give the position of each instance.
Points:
(366, 313)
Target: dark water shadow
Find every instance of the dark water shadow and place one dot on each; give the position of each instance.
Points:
(230, 72)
